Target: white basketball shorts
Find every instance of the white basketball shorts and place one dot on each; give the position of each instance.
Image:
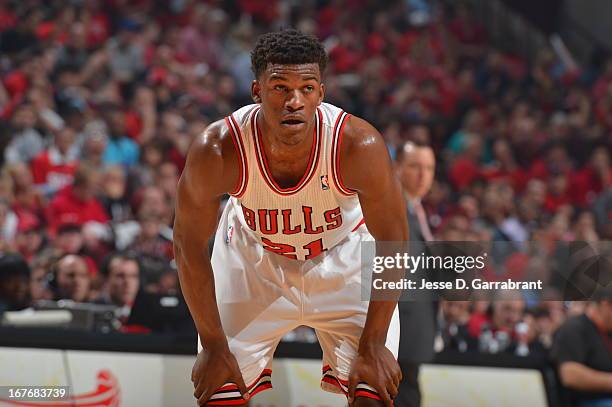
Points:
(262, 296)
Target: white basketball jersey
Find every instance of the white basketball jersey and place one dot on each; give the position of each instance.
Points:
(303, 221)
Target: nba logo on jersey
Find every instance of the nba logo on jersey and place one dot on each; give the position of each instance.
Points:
(324, 183)
(230, 233)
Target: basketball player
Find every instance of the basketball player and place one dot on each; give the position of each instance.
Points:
(304, 179)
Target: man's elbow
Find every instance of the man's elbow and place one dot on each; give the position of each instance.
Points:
(568, 374)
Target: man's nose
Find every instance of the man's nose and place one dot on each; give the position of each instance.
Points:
(294, 101)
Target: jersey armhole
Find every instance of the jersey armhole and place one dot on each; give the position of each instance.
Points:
(337, 142)
(236, 136)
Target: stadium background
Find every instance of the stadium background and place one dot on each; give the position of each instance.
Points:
(515, 98)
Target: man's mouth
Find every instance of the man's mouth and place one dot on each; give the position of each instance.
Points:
(292, 122)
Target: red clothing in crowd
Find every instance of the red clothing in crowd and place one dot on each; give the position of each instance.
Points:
(462, 173)
(585, 185)
(50, 167)
(66, 207)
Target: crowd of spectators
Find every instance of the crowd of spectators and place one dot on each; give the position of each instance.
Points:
(100, 100)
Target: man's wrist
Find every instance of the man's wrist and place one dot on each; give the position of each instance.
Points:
(369, 343)
(217, 342)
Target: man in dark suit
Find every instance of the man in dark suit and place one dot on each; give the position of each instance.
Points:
(415, 166)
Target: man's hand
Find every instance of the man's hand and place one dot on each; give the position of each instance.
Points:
(376, 366)
(212, 369)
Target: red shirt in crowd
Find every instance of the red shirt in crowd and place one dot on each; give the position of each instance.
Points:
(66, 207)
(51, 168)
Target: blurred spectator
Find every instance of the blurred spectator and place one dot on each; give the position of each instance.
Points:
(200, 40)
(54, 168)
(27, 199)
(8, 222)
(71, 279)
(14, 283)
(120, 149)
(154, 239)
(166, 178)
(26, 141)
(76, 203)
(452, 325)
(143, 174)
(113, 196)
(583, 352)
(125, 52)
(29, 238)
(416, 168)
(495, 330)
(122, 282)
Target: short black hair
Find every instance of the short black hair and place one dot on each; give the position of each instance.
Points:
(128, 255)
(12, 264)
(290, 47)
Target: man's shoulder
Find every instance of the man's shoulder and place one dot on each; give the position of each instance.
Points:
(212, 140)
(359, 133)
(211, 161)
(573, 325)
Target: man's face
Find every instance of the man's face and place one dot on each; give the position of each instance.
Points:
(289, 96)
(73, 279)
(455, 311)
(15, 290)
(123, 281)
(417, 170)
(69, 241)
(507, 313)
(65, 138)
(605, 309)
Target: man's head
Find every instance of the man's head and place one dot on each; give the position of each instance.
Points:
(455, 312)
(122, 278)
(416, 167)
(14, 281)
(288, 67)
(64, 139)
(85, 182)
(601, 312)
(508, 308)
(72, 278)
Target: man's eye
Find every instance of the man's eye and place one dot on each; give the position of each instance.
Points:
(280, 88)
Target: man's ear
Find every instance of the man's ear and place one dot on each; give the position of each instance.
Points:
(256, 91)
(322, 94)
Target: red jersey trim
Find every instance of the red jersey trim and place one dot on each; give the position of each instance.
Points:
(337, 140)
(263, 382)
(313, 161)
(234, 130)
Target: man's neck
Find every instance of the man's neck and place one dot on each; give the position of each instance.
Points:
(411, 198)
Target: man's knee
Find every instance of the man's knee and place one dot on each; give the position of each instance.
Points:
(367, 402)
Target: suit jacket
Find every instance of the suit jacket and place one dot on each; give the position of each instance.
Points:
(418, 317)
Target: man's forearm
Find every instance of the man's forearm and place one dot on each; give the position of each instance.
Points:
(580, 377)
(377, 323)
(198, 286)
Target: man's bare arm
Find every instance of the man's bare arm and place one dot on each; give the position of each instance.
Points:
(579, 377)
(211, 170)
(207, 175)
(365, 166)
